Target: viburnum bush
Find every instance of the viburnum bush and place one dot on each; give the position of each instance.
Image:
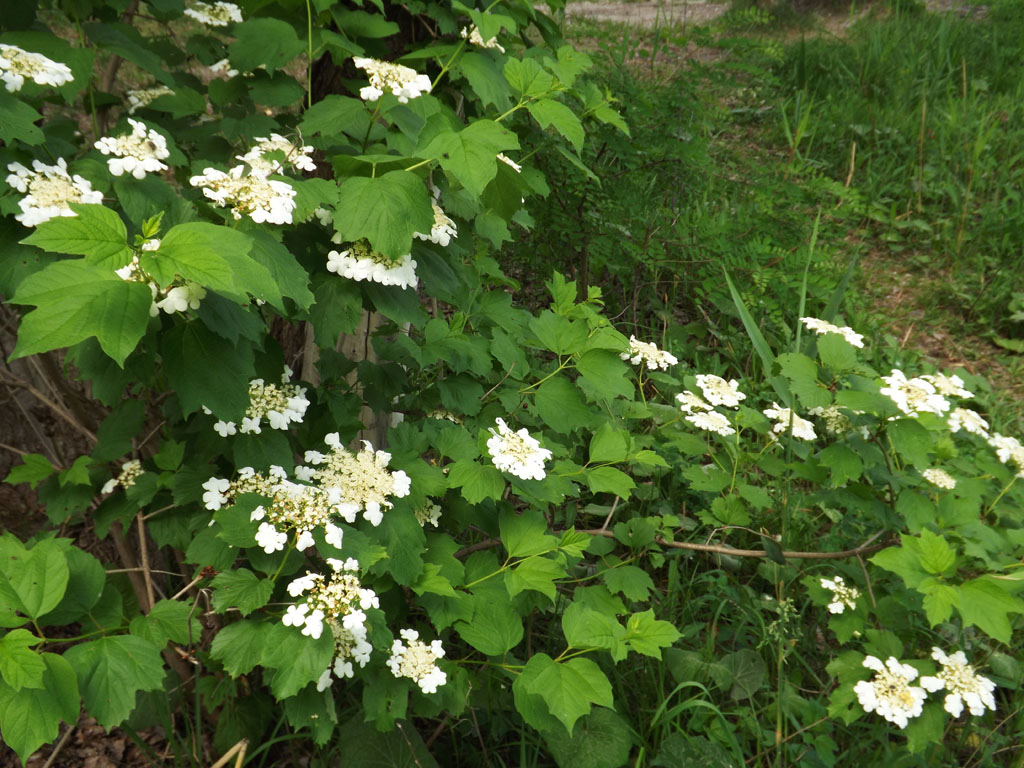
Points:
(349, 476)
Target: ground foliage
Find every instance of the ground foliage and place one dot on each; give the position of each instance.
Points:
(652, 593)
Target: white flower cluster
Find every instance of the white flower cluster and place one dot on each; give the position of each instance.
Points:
(964, 685)
(940, 478)
(646, 352)
(417, 661)
(176, 298)
(472, 34)
(223, 66)
(1008, 449)
(17, 65)
(355, 482)
(967, 420)
(914, 396)
(837, 422)
(950, 386)
(350, 645)
(269, 155)
(49, 190)
(717, 391)
(889, 692)
(822, 327)
(842, 596)
(801, 428)
(281, 405)
(385, 77)
(517, 452)
(130, 472)
(136, 153)
(442, 231)
(428, 513)
(216, 14)
(338, 598)
(361, 262)
(142, 97)
(248, 194)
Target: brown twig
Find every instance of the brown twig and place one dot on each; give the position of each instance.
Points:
(238, 749)
(144, 554)
(60, 745)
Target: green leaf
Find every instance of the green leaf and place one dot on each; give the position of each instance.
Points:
(585, 627)
(288, 275)
(836, 352)
(86, 579)
(926, 729)
(77, 300)
(609, 480)
(168, 620)
(748, 673)
(37, 577)
(757, 340)
(648, 635)
(495, 628)
(204, 369)
(902, 561)
(802, 374)
(985, 603)
(558, 333)
(933, 553)
(568, 688)
(34, 468)
(128, 43)
(96, 233)
(477, 482)
(548, 112)
(525, 534)
(608, 445)
(602, 739)
(111, 670)
(240, 589)
(534, 573)
(338, 309)
(263, 42)
(401, 747)
(939, 600)
(485, 77)
(527, 77)
(386, 210)
(633, 582)
(196, 251)
(911, 440)
(19, 121)
(470, 155)
(239, 646)
(19, 666)
(31, 717)
(843, 462)
(333, 115)
(604, 373)
(299, 660)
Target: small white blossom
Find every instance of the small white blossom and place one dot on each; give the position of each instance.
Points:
(295, 616)
(223, 67)
(130, 472)
(49, 190)
(711, 421)
(842, 596)
(136, 153)
(889, 692)
(688, 402)
(17, 65)
(262, 163)
(385, 77)
(428, 513)
(837, 422)
(216, 14)
(802, 428)
(443, 229)
(649, 354)
(951, 386)
(224, 428)
(281, 405)
(966, 419)
(143, 97)
(261, 199)
(963, 683)
(417, 661)
(360, 262)
(517, 452)
(822, 327)
(472, 34)
(182, 297)
(270, 539)
(913, 396)
(214, 497)
(718, 391)
(939, 478)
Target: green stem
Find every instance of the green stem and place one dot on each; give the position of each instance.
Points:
(309, 55)
(561, 366)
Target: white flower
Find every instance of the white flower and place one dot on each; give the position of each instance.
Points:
(428, 513)
(304, 541)
(333, 535)
(324, 681)
(362, 263)
(939, 478)
(153, 244)
(295, 615)
(216, 14)
(443, 229)
(1008, 449)
(111, 485)
(130, 471)
(966, 419)
(384, 77)
(718, 391)
(964, 685)
(261, 199)
(270, 539)
(182, 297)
(913, 396)
(17, 64)
(143, 97)
(417, 661)
(842, 596)
(224, 428)
(822, 327)
(951, 386)
(516, 452)
(711, 421)
(214, 497)
(689, 401)
(262, 162)
(889, 692)
(649, 354)
(837, 422)
(223, 66)
(135, 153)
(314, 624)
(802, 428)
(49, 190)
(472, 34)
